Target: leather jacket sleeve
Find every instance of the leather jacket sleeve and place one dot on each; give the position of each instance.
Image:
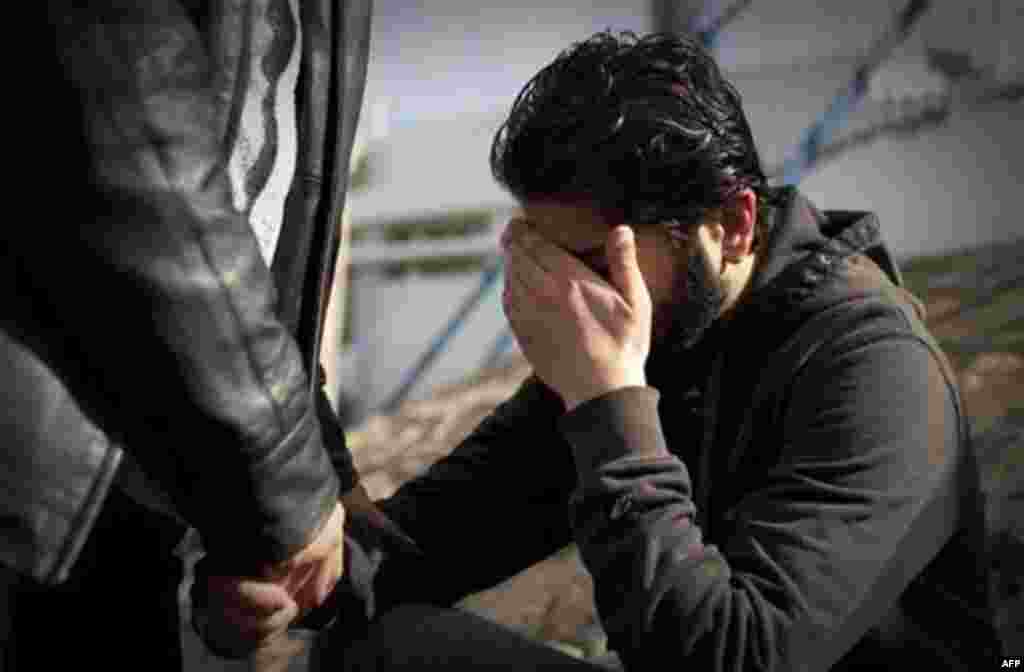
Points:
(175, 347)
(46, 513)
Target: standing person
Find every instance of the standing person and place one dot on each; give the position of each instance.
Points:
(735, 410)
(160, 326)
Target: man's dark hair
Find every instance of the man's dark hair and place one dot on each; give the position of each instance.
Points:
(646, 128)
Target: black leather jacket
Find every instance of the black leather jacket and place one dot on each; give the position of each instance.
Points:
(180, 145)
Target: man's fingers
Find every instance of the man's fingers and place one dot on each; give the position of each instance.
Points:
(317, 590)
(253, 627)
(263, 597)
(297, 577)
(320, 579)
(525, 274)
(624, 267)
(254, 609)
(519, 301)
(246, 612)
(514, 293)
(311, 575)
(555, 260)
(254, 596)
(547, 255)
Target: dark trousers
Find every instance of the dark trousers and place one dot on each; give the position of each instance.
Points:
(117, 611)
(419, 637)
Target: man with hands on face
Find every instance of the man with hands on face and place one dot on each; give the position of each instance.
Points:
(584, 337)
(735, 410)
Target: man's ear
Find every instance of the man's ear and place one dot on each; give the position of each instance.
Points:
(738, 220)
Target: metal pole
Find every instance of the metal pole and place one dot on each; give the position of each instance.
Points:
(488, 279)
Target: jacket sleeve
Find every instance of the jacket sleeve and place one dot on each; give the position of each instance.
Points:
(47, 513)
(171, 333)
(496, 505)
(859, 502)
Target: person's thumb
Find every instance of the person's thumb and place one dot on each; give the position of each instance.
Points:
(624, 267)
(267, 604)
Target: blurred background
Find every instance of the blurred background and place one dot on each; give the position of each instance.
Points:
(934, 146)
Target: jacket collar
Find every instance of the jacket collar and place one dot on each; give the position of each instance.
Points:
(805, 247)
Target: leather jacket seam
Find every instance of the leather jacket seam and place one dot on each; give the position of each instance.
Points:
(82, 523)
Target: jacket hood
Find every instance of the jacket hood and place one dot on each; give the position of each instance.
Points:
(802, 236)
(805, 246)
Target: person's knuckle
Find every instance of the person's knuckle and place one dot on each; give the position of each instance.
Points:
(574, 289)
(561, 286)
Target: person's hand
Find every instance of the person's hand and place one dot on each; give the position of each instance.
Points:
(310, 575)
(583, 336)
(241, 615)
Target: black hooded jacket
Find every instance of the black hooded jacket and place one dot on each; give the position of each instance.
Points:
(796, 492)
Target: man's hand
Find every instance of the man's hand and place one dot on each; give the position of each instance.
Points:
(310, 575)
(242, 615)
(583, 336)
